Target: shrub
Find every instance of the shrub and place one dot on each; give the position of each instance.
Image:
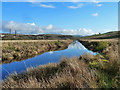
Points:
(101, 45)
(58, 42)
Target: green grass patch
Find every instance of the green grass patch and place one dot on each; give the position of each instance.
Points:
(105, 80)
(11, 48)
(107, 73)
(58, 42)
(105, 60)
(101, 45)
(94, 64)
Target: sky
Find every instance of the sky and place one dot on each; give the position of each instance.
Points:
(68, 18)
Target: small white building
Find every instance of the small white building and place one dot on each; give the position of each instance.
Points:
(2, 35)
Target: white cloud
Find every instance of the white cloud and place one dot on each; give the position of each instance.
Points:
(38, 4)
(31, 28)
(79, 5)
(22, 28)
(60, 0)
(99, 5)
(49, 26)
(47, 6)
(74, 7)
(81, 31)
(33, 24)
(31, 0)
(109, 30)
(95, 14)
(95, 1)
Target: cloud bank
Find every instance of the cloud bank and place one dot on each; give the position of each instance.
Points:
(31, 28)
(60, 0)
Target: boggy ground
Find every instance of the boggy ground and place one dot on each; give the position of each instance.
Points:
(15, 50)
(86, 71)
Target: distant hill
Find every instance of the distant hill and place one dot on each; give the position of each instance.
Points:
(108, 35)
(36, 37)
(77, 36)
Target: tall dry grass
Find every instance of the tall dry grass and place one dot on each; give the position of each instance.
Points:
(19, 50)
(87, 71)
(69, 73)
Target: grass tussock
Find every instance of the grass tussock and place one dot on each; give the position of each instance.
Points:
(69, 73)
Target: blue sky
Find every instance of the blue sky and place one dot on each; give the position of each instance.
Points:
(60, 17)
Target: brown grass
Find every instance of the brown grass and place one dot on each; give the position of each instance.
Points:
(22, 49)
(69, 73)
(87, 71)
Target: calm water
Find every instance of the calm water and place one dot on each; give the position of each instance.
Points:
(74, 49)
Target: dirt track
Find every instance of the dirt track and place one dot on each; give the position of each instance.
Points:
(30, 40)
(99, 40)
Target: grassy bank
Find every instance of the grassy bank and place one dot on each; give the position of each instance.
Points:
(36, 37)
(104, 47)
(21, 49)
(69, 73)
(107, 63)
(86, 71)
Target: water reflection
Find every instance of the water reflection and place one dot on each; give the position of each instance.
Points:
(76, 45)
(74, 49)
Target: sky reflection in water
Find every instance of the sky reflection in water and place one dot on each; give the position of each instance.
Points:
(74, 49)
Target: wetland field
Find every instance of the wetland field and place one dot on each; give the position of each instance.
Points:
(72, 63)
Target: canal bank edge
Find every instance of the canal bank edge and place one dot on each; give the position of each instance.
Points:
(105, 48)
(16, 50)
